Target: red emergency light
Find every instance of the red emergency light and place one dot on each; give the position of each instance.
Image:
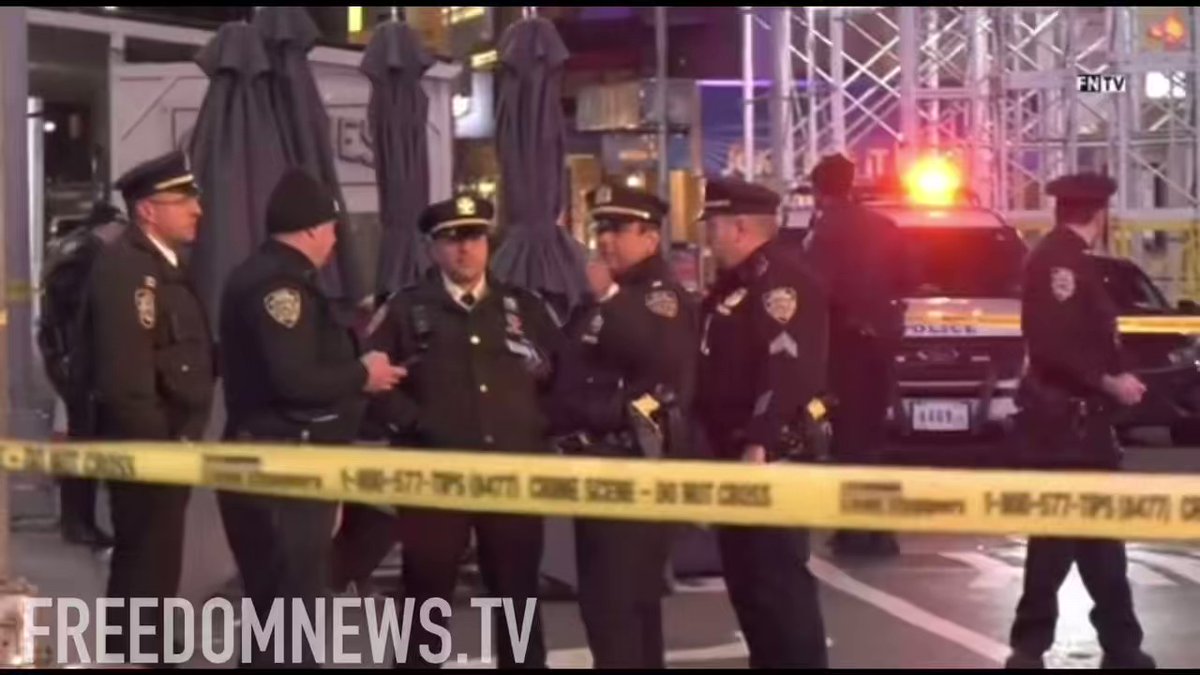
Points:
(933, 181)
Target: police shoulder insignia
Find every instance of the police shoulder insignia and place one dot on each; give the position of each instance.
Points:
(780, 304)
(1062, 283)
(284, 306)
(143, 299)
(663, 303)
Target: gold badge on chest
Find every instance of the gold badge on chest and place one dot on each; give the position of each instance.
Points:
(731, 301)
(143, 299)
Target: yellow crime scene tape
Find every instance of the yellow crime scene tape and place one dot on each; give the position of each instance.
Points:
(1089, 504)
(1188, 325)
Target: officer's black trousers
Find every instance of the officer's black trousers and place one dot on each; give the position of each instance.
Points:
(1102, 566)
(621, 583)
(365, 538)
(510, 556)
(282, 548)
(861, 374)
(147, 558)
(77, 500)
(774, 596)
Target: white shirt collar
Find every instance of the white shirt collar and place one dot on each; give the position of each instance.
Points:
(457, 292)
(170, 255)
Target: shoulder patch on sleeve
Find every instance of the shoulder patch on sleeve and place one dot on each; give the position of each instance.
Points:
(1062, 283)
(143, 300)
(284, 305)
(663, 303)
(781, 304)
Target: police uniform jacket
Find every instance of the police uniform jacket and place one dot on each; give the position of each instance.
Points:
(642, 337)
(475, 378)
(292, 370)
(1070, 328)
(150, 345)
(860, 257)
(763, 351)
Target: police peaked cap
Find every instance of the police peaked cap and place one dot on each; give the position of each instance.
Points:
(733, 197)
(168, 173)
(834, 173)
(1083, 189)
(299, 202)
(613, 205)
(463, 214)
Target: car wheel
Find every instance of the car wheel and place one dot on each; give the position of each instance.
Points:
(1186, 433)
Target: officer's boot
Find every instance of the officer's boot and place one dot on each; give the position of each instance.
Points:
(77, 502)
(1023, 661)
(1137, 660)
(884, 544)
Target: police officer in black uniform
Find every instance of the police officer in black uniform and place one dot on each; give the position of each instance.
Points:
(66, 271)
(763, 347)
(1074, 385)
(636, 340)
(293, 374)
(859, 254)
(146, 373)
(481, 357)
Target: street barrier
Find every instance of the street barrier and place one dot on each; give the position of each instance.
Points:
(977, 501)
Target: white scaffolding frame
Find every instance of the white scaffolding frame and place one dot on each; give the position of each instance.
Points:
(996, 88)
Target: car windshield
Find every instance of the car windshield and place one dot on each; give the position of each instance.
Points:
(965, 262)
(1130, 288)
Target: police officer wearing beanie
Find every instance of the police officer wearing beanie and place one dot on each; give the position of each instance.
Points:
(1074, 386)
(763, 346)
(293, 375)
(481, 355)
(859, 254)
(636, 342)
(145, 372)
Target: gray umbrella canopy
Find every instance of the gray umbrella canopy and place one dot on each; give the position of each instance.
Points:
(237, 156)
(396, 62)
(289, 34)
(530, 141)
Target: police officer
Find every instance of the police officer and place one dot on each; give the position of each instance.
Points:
(293, 374)
(147, 372)
(762, 360)
(1074, 385)
(638, 339)
(859, 255)
(67, 268)
(481, 357)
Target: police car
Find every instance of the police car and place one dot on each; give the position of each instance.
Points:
(952, 381)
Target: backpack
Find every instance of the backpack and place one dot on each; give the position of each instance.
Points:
(63, 289)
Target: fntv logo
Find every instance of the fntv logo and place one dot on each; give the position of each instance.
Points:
(1101, 84)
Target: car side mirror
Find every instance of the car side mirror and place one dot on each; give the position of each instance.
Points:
(1189, 307)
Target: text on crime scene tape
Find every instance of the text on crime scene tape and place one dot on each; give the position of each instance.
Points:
(1087, 504)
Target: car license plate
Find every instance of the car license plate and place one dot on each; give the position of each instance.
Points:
(941, 416)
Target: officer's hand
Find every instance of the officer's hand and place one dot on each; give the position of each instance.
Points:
(599, 278)
(754, 454)
(381, 374)
(1126, 388)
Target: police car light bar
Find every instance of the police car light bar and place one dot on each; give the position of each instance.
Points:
(933, 181)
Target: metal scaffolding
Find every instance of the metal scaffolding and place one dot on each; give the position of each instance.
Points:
(997, 89)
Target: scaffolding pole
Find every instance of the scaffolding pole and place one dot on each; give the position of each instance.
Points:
(783, 82)
(748, 92)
